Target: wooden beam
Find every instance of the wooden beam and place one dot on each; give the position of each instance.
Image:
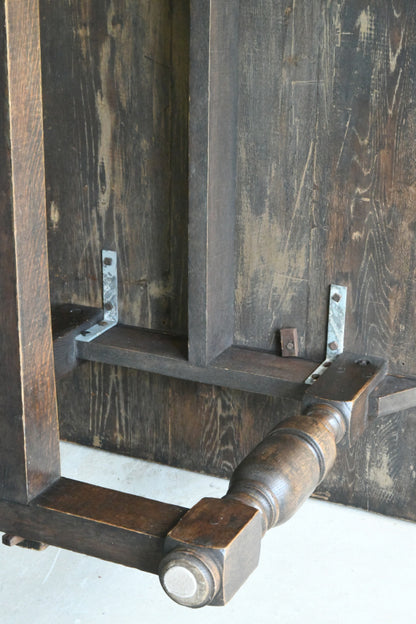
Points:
(243, 369)
(29, 439)
(95, 521)
(212, 174)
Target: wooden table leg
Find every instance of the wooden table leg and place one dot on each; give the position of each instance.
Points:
(29, 439)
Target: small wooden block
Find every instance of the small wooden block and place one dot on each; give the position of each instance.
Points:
(11, 540)
(15, 540)
(289, 342)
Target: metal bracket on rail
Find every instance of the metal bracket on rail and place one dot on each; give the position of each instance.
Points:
(110, 299)
(336, 330)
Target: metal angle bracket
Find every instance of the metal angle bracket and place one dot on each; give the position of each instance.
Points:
(110, 298)
(336, 330)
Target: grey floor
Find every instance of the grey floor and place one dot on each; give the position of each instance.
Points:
(328, 565)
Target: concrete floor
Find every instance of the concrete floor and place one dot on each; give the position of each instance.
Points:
(328, 565)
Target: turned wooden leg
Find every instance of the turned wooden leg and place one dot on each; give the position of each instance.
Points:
(216, 544)
(284, 469)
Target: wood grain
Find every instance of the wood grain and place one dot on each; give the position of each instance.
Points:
(116, 107)
(29, 440)
(325, 174)
(96, 521)
(212, 145)
(325, 179)
(243, 369)
(176, 422)
(280, 105)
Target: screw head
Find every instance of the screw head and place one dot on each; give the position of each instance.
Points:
(336, 297)
(333, 346)
(108, 261)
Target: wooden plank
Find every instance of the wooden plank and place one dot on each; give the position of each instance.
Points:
(212, 153)
(95, 521)
(324, 178)
(370, 241)
(243, 369)
(116, 126)
(29, 440)
(186, 424)
(279, 155)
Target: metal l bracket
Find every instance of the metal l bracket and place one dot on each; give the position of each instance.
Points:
(336, 329)
(110, 299)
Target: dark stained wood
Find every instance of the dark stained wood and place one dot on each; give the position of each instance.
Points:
(218, 541)
(377, 473)
(29, 451)
(325, 173)
(301, 174)
(239, 368)
(324, 193)
(96, 521)
(396, 395)
(289, 342)
(212, 146)
(288, 465)
(222, 535)
(193, 425)
(370, 235)
(281, 101)
(67, 322)
(209, 429)
(115, 78)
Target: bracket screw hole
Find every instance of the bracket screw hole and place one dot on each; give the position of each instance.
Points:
(108, 261)
(336, 297)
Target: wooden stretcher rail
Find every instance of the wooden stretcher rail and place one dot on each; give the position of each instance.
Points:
(238, 368)
(96, 521)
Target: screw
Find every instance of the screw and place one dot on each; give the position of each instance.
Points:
(333, 346)
(315, 376)
(85, 332)
(108, 306)
(290, 346)
(102, 323)
(336, 297)
(108, 261)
